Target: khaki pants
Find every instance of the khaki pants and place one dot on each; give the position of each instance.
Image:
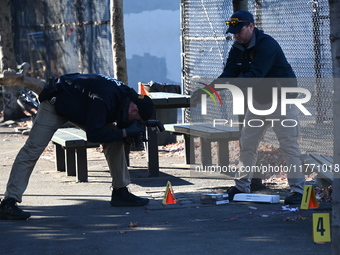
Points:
(46, 123)
(288, 140)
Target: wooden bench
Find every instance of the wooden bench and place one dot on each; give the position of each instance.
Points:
(207, 134)
(320, 164)
(70, 150)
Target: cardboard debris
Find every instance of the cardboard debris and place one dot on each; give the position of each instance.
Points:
(218, 202)
(214, 198)
(246, 197)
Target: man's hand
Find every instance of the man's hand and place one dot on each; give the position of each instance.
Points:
(134, 130)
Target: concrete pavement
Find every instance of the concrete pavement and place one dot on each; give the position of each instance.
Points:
(76, 218)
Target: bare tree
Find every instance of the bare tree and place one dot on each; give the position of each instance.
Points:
(7, 60)
(6, 39)
(334, 7)
(118, 40)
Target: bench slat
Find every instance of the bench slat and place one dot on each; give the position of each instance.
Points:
(68, 143)
(207, 131)
(71, 145)
(328, 158)
(207, 134)
(307, 161)
(72, 137)
(321, 159)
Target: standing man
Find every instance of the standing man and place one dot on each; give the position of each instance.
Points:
(258, 62)
(93, 102)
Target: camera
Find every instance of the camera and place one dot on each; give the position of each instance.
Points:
(140, 139)
(152, 123)
(155, 123)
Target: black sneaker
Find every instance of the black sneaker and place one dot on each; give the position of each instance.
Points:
(293, 198)
(122, 197)
(10, 211)
(232, 192)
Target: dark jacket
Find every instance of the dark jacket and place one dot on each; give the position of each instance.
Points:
(93, 101)
(263, 58)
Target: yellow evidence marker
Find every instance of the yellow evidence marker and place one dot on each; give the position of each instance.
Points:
(321, 228)
(309, 200)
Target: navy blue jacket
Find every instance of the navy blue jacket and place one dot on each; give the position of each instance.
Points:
(93, 101)
(263, 58)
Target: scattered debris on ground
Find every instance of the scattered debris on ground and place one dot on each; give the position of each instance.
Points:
(267, 155)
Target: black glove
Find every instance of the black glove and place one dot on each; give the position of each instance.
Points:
(135, 129)
(196, 97)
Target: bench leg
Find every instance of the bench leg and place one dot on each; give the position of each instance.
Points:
(206, 152)
(189, 149)
(223, 152)
(59, 158)
(70, 159)
(81, 165)
(152, 145)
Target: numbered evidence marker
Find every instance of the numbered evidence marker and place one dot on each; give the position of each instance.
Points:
(321, 228)
(309, 200)
(169, 195)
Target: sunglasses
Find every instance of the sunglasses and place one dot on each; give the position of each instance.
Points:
(235, 21)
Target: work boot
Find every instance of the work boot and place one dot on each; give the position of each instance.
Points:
(10, 211)
(293, 198)
(122, 197)
(232, 192)
(256, 185)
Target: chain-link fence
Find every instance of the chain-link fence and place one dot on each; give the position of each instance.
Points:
(302, 30)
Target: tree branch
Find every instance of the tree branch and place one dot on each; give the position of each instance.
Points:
(14, 79)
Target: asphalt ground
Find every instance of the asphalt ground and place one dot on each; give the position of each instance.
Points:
(76, 218)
